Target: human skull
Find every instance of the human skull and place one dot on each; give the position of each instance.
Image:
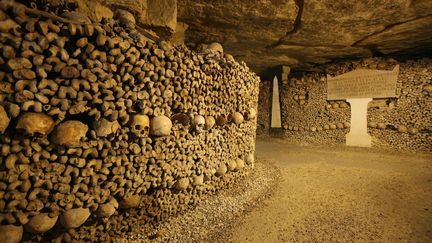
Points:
(35, 123)
(69, 133)
(140, 125)
(74, 217)
(249, 159)
(41, 223)
(209, 122)
(216, 47)
(11, 233)
(125, 17)
(240, 164)
(76, 16)
(229, 58)
(160, 126)
(104, 127)
(181, 118)
(4, 120)
(131, 201)
(182, 184)
(106, 210)
(221, 120)
(221, 170)
(198, 123)
(252, 114)
(237, 118)
(198, 180)
(232, 165)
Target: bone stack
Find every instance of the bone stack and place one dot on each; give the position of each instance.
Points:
(401, 123)
(101, 123)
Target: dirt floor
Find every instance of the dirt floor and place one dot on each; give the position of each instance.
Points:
(342, 194)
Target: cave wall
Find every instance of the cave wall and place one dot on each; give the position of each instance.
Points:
(303, 34)
(103, 131)
(402, 123)
(160, 17)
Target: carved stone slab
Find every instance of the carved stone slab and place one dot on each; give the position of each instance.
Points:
(363, 83)
(359, 87)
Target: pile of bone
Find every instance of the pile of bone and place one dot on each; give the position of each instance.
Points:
(95, 116)
(313, 118)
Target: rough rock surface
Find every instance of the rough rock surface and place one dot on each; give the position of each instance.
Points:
(160, 16)
(300, 33)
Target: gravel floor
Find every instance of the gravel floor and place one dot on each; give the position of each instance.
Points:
(342, 194)
(214, 218)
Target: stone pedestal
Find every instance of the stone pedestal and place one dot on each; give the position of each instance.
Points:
(358, 135)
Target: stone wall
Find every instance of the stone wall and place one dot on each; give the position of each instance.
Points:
(102, 131)
(402, 123)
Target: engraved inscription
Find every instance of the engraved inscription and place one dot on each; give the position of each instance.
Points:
(362, 83)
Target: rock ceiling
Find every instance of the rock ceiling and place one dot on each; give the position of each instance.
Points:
(303, 33)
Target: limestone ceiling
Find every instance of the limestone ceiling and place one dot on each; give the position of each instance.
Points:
(302, 33)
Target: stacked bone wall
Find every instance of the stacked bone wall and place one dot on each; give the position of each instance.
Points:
(402, 123)
(264, 106)
(102, 130)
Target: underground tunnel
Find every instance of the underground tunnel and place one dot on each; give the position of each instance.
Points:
(215, 121)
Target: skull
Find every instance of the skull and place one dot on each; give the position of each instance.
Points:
(240, 164)
(237, 118)
(130, 201)
(198, 180)
(76, 16)
(209, 122)
(107, 209)
(125, 17)
(181, 118)
(74, 217)
(35, 123)
(161, 126)
(4, 120)
(215, 47)
(221, 120)
(11, 233)
(229, 58)
(69, 133)
(140, 125)
(198, 123)
(104, 127)
(249, 159)
(41, 223)
(182, 184)
(251, 114)
(221, 170)
(232, 165)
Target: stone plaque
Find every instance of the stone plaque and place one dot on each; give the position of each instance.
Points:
(363, 83)
(359, 87)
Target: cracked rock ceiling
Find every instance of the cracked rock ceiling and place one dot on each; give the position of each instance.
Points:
(303, 33)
